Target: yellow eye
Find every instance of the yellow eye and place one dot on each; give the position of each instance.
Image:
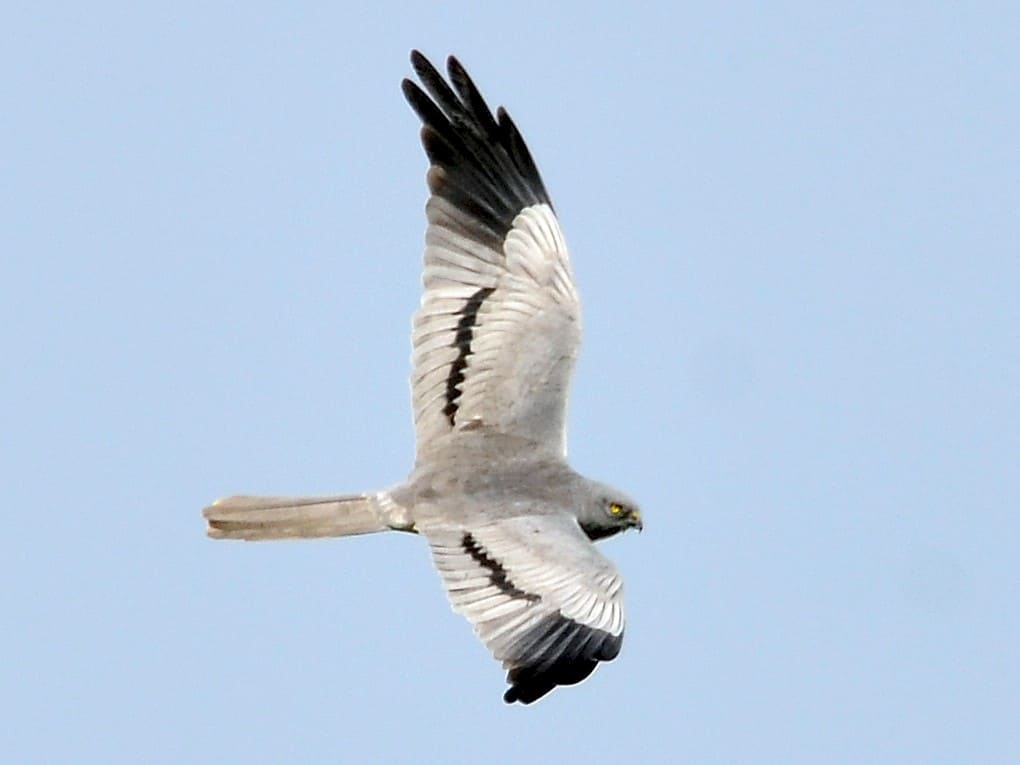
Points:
(615, 508)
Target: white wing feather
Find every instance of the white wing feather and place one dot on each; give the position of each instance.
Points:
(525, 335)
(508, 575)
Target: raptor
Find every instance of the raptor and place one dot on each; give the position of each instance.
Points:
(510, 524)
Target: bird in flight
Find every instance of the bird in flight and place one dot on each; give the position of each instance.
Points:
(510, 524)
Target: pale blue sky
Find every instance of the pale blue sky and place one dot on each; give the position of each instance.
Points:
(796, 233)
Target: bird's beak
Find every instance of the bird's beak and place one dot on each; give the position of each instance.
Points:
(635, 519)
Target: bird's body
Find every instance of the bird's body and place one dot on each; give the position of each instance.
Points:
(509, 522)
(503, 478)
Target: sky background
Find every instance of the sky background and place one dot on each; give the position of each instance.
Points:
(796, 233)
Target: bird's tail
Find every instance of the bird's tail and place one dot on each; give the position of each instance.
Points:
(255, 518)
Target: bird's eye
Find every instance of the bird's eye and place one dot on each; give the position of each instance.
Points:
(615, 508)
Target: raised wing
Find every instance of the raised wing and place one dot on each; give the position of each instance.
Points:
(539, 595)
(499, 327)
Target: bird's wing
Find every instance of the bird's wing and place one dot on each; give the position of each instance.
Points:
(539, 595)
(499, 328)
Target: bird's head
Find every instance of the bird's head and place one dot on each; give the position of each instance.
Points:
(609, 511)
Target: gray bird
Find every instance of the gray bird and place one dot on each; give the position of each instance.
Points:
(509, 522)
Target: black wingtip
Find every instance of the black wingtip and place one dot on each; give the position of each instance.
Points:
(453, 67)
(529, 686)
(487, 171)
(409, 89)
(527, 693)
(558, 651)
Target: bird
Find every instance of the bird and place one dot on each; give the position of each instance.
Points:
(510, 525)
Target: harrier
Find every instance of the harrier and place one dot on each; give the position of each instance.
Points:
(509, 523)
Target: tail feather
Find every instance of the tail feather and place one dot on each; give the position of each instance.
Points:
(254, 518)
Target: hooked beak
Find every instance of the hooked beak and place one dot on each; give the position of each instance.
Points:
(635, 521)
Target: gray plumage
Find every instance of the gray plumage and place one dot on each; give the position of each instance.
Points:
(509, 523)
